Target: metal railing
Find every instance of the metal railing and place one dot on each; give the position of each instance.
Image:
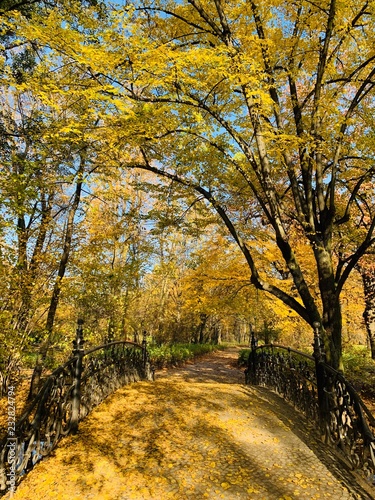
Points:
(324, 396)
(66, 397)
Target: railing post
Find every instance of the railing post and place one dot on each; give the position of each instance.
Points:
(251, 365)
(320, 373)
(78, 352)
(254, 341)
(144, 351)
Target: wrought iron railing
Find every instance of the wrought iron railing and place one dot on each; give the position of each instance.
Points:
(66, 397)
(290, 372)
(324, 396)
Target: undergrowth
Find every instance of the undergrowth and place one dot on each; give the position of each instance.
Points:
(175, 354)
(243, 356)
(360, 369)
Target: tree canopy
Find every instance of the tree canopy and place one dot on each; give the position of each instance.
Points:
(260, 112)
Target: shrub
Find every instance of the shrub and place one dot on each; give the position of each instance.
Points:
(357, 360)
(243, 356)
(175, 354)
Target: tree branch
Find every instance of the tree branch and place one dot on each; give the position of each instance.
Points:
(255, 278)
(362, 249)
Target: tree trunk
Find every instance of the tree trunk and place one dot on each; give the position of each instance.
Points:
(28, 271)
(111, 330)
(22, 268)
(202, 324)
(37, 373)
(217, 335)
(136, 337)
(368, 280)
(331, 328)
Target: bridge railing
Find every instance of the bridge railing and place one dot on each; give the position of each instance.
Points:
(66, 397)
(324, 396)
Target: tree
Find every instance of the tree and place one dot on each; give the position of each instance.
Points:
(34, 169)
(277, 118)
(367, 272)
(259, 108)
(64, 259)
(112, 255)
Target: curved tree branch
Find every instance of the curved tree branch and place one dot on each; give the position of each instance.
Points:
(255, 278)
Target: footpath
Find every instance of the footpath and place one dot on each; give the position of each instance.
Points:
(195, 433)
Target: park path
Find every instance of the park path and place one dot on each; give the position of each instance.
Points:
(195, 433)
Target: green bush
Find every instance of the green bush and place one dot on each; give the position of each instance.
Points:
(243, 356)
(175, 354)
(359, 369)
(53, 360)
(357, 360)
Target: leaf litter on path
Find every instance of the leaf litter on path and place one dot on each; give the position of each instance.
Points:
(196, 432)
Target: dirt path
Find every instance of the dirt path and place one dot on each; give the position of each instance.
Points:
(196, 432)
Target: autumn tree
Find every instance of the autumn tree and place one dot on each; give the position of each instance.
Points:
(260, 108)
(367, 271)
(217, 294)
(29, 213)
(265, 100)
(113, 253)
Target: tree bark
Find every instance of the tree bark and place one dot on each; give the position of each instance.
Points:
(201, 327)
(30, 269)
(368, 280)
(331, 325)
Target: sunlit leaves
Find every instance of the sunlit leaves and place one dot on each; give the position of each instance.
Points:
(263, 110)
